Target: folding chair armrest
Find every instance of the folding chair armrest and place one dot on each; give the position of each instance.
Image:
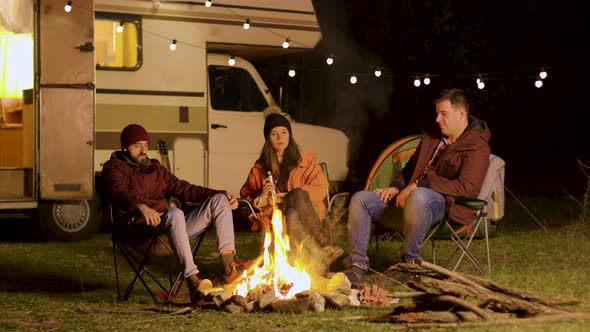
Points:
(471, 202)
(244, 201)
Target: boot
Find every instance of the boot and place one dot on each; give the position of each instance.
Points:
(233, 270)
(299, 200)
(195, 285)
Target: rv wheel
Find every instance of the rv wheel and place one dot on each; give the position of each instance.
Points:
(67, 220)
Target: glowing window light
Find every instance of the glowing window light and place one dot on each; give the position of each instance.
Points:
(16, 64)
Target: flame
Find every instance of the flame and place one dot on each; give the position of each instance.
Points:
(275, 273)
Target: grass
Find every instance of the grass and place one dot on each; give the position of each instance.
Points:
(60, 286)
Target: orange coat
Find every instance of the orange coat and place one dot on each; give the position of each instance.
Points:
(308, 176)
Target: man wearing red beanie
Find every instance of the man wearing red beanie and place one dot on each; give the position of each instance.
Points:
(137, 187)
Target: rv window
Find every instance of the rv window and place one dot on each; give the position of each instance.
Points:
(117, 42)
(234, 89)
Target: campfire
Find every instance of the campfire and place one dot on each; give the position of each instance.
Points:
(276, 273)
(283, 280)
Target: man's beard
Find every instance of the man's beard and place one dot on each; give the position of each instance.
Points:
(143, 162)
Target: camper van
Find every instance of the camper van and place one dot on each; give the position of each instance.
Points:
(178, 68)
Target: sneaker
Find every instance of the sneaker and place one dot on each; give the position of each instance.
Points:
(198, 286)
(356, 276)
(237, 270)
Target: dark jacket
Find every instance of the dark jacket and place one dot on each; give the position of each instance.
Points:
(460, 170)
(126, 184)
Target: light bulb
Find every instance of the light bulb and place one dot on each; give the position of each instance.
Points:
(173, 45)
(378, 72)
(68, 7)
(417, 82)
(353, 79)
(286, 43)
(231, 61)
(329, 60)
(481, 85)
(477, 81)
(156, 4)
(120, 27)
(426, 80)
(543, 74)
(291, 72)
(208, 3)
(247, 24)
(539, 82)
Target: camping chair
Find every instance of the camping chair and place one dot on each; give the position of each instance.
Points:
(332, 202)
(488, 206)
(139, 258)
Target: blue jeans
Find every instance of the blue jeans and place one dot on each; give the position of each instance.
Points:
(424, 208)
(180, 228)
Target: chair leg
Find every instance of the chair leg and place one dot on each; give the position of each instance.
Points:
(116, 270)
(464, 248)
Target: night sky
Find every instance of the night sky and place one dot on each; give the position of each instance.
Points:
(540, 133)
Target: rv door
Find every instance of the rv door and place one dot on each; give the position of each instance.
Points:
(66, 117)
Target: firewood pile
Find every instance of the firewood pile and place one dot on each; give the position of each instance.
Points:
(334, 293)
(439, 298)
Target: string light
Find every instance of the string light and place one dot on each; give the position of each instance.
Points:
(329, 60)
(543, 74)
(417, 81)
(480, 83)
(231, 61)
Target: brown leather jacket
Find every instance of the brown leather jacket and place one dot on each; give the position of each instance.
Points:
(460, 170)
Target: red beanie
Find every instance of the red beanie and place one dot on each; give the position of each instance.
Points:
(133, 133)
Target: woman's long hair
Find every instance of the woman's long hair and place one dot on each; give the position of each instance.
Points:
(280, 171)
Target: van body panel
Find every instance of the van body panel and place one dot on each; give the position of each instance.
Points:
(66, 156)
(65, 101)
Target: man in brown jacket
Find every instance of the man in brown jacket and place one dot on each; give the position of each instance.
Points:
(450, 161)
(137, 188)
